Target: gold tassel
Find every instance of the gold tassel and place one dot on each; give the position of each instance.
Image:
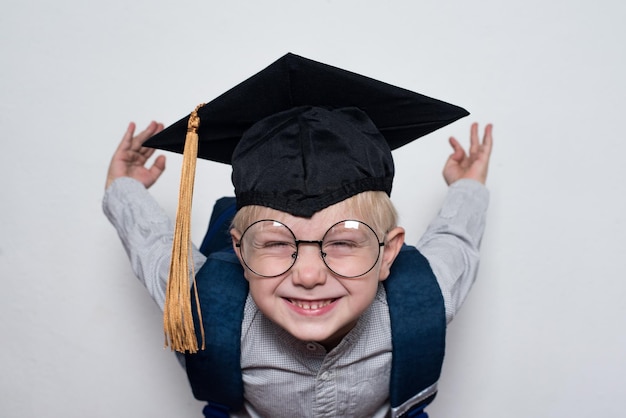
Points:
(178, 325)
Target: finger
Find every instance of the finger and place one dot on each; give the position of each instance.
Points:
(158, 167)
(141, 137)
(127, 139)
(149, 151)
(146, 152)
(474, 142)
(458, 153)
(488, 139)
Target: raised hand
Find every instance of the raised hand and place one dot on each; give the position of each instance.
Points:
(130, 157)
(473, 166)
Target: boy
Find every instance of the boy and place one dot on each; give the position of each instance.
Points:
(316, 239)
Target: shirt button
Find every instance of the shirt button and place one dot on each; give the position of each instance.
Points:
(311, 347)
(325, 376)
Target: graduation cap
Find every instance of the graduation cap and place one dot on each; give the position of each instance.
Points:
(293, 81)
(300, 135)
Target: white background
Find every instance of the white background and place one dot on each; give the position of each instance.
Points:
(542, 333)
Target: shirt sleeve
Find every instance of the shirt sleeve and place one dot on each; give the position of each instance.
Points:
(146, 233)
(451, 242)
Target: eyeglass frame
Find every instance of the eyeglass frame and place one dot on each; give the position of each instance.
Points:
(318, 242)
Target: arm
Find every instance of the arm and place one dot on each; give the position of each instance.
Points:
(451, 242)
(143, 227)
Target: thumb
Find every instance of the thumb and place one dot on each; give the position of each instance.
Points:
(158, 167)
(458, 153)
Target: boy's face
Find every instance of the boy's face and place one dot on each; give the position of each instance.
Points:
(310, 301)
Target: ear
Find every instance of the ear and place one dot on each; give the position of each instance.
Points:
(235, 239)
(235, 236)
(393, 244)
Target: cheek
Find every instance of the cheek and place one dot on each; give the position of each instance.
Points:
(379, 272)
(263, 290)
(363, 292)
(259, 295)
(256, 287)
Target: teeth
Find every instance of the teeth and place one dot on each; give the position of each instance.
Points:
(311, 305)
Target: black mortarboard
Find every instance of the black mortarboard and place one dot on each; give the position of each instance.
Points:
(307, 151)
(301, 136)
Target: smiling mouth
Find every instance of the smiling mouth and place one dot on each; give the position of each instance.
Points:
(311, 304)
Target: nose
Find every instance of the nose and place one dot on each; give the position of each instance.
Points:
(309, 270)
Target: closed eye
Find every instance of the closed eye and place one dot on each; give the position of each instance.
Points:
(271, 244)
(341, 244)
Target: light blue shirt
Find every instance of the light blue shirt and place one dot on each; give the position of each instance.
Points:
(287, 377)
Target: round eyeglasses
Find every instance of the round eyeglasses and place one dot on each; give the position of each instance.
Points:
(349, 248)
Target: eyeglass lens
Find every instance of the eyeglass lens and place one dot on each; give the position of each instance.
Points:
(349, 248)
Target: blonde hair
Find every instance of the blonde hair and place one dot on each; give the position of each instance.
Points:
(375, 207)
(372, 207)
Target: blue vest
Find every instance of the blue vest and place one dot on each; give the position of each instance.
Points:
(416, 311)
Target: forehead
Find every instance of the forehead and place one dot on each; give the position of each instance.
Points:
(318, 223)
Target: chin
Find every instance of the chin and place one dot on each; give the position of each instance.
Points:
(324, 336)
